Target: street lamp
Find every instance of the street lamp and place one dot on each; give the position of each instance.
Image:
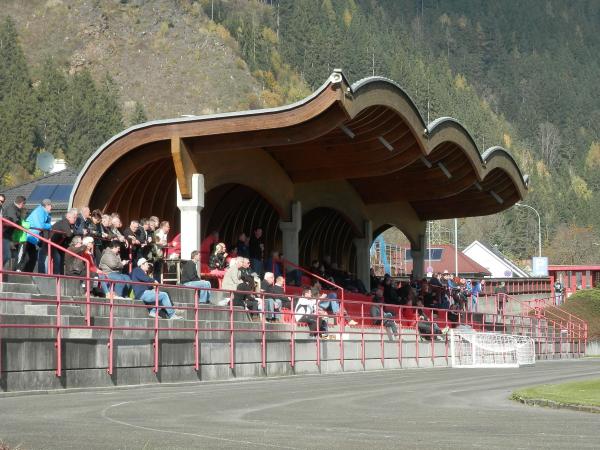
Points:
(539, 225)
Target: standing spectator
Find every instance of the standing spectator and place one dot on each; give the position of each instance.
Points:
(147, 293)
(112, 265)
(83, 222)
(62, 232)
(558, 292)
(500, 292)
(75, 266)
(257, 250)
(190, 277)
(131, 235)
(475, 291)
(242, 246)
(14, 213)
(39, 220)
(161, 241)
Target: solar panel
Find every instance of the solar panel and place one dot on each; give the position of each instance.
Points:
(58, 193)
(436, 254)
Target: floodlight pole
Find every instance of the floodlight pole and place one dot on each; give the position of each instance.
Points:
(456, 248)
(539, 225)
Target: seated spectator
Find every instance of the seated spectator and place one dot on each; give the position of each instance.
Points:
(208, 244)
(148, 293)
(61, 234)
(306, 311)
(282, 300)
(409, 314)
(217, 260)
(75, 266)
(270, 304)
(111, 266)
(378, 314)
(428, 329)
(390, 294)
(330, 304)
(244, 266)
(190, 277)
(245, 295)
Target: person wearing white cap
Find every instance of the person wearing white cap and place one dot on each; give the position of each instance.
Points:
(147, 294)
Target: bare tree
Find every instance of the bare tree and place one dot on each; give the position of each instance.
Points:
(549, 141)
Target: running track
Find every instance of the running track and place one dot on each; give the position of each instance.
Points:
(419, 408)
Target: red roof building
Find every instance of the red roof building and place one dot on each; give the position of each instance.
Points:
(442, 259)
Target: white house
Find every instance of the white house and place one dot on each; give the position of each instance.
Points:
(494, 261)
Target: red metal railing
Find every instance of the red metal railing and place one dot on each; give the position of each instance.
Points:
(7, 223)
(547, 335)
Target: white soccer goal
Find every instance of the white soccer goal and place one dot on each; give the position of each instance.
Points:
(472, 349)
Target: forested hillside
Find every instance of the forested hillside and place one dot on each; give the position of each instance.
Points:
(520, 74)
(517, 74)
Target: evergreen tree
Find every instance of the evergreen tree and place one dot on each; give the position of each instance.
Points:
(139, 114)
(18, 106)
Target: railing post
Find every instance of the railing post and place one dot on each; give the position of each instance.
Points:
(293, 335)
(88, 314)
(263, 337)
(318, 340)
(342, 322)
(381, 335)
(155, 344)
(110, 327)
(400, 333)
(196, 333)
(58, 343)
(362, 334)
(231, 333)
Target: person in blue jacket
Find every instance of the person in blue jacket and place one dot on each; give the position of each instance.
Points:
(147, 294)
(39, 219)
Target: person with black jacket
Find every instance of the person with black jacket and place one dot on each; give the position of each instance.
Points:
(245, 295)
(189, 277)
(14, 212)
(217, 260)
(61, 234)
(257, 251)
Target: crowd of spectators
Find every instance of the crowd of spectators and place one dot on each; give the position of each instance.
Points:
(121, 256)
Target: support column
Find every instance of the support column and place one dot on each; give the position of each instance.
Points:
(290, 233)
(190, 215)
(418, 256)
(363, 254)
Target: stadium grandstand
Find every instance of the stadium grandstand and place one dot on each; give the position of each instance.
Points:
(238, 245)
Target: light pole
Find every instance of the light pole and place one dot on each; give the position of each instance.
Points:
(539, 225)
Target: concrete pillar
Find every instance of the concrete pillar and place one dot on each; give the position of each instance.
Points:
(290, 232)
(190, 216)
(418, 256)
(363, 254)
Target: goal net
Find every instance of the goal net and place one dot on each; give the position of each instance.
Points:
(473, 349)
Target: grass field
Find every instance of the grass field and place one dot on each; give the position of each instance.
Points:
(584, 304)
(578, 393)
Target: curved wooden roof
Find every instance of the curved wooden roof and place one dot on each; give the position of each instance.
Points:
(370, 134)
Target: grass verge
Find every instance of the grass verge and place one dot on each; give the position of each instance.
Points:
(576, 393)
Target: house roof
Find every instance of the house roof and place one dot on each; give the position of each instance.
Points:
(65, 179)
(499, 255)
(466, 265)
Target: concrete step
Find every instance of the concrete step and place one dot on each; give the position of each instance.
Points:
(21, 288)
(50, 310)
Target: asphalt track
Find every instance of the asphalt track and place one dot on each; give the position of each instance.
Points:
(419, 408)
